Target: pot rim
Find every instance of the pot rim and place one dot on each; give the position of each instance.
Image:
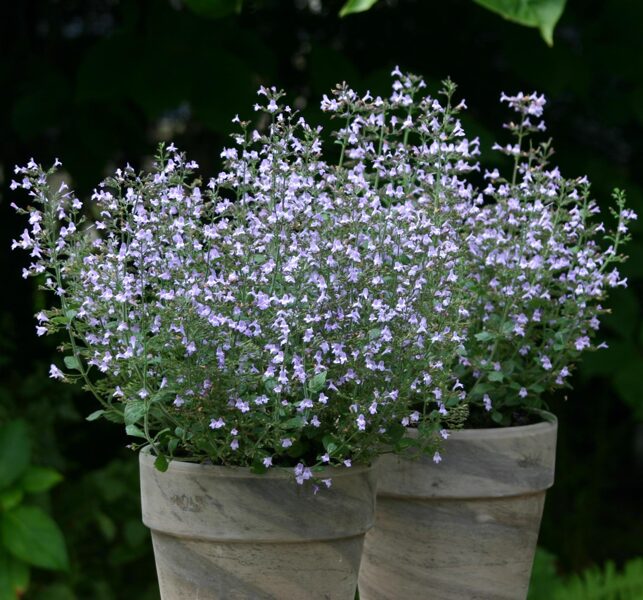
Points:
(177, 465)
(549, 421)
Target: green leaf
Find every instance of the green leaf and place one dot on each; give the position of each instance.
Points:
(134, 411)
(330, 444)
(507, 328)
(134, 431)
(114, 415)
(497, 417)
(270, 384)
(480, 388)
(543, 14)
(373, 334)
(317, 383)
(484, 336)
(294, 423)
(14, 576)
(72, 363)
(31, 535)
(356, 6)
(214, 9)
(161, 463)
(496, 376)
(15, 451)
(39, 479)
(95, 415)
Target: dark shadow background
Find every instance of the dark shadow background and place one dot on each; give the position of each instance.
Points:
(98, 83)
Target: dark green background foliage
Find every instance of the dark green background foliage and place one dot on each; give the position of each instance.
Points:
(99, 82)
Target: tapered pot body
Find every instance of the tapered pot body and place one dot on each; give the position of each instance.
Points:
(226, 533)
(464, 529)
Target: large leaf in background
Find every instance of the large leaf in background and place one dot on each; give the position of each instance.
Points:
(14, 576)
(355, 6)
(543, 14)
(214, 8)
(31, 535)
(15, 451)
(39, 479)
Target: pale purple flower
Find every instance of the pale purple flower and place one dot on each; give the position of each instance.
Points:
(56, 373)
(302, 473)
(581, 343)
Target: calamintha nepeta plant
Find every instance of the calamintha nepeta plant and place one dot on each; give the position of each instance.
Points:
(295, 312)
(302, 312)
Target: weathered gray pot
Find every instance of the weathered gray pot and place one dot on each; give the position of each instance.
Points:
(464, 529)
(226, 533)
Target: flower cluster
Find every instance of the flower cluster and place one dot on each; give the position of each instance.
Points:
(539, 274)
(301, 311)
(293, 312)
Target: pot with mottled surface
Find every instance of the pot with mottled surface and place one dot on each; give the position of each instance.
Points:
(464, 529)
(226, 533)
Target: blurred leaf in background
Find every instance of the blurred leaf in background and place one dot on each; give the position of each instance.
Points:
(543, 14)
(595, 583)
(29, 537)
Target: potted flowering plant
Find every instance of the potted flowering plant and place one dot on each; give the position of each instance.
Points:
(537, 278)
(279, 326)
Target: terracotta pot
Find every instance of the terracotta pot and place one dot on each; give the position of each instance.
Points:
(222, 532)
(464, 529)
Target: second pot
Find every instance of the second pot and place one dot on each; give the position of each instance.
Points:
(464, 529)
